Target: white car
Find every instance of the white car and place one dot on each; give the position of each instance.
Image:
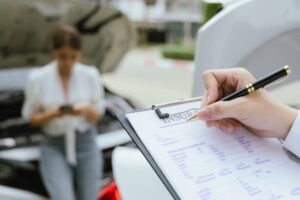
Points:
(107, 34)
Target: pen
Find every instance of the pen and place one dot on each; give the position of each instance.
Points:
(252, 87)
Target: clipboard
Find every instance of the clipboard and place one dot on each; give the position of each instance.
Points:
(136, 139)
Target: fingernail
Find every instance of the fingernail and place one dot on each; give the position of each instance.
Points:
(203, 114)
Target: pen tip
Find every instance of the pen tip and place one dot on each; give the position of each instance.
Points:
(193, 118)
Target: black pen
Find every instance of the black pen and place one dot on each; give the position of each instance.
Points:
(252, 87)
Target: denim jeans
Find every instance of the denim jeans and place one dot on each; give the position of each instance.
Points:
(59, 176)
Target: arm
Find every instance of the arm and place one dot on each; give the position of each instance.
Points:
(32, 108)
(43, 117)
(88, 111)
(92, 115)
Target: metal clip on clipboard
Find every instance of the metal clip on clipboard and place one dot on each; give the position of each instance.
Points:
(157, 108)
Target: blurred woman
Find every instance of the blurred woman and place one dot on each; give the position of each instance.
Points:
(65, 98)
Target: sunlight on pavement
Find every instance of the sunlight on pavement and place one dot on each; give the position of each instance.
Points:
(147, 78)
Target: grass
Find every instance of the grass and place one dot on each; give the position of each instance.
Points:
(178, 51)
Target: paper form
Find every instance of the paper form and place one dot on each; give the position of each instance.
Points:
(206, 163)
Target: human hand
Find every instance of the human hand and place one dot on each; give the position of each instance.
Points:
(81, 108)
(44, 116)
(54, 112)
(87, 110)
(258, 112)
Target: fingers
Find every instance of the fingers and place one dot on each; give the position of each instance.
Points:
(211, 87)
(221, 110)
(227, 125)
(204, 99)
(218, 83)
(214, 82)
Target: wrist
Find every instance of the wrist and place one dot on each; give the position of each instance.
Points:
(87, 110)
(288, 116)
(91, 114)
(51, 114)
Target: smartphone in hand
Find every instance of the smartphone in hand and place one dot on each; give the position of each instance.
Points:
(66, 108)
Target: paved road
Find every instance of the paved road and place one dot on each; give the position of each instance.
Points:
(147, 78)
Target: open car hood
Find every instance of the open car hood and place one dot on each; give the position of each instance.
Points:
(26, 27)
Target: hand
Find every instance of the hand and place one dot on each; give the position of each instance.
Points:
(81, 109)
(43, 117)
(258, 112)
(88, 111)
(54, 112)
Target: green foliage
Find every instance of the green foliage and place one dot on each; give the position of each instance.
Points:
(210, 10)
(177, 51)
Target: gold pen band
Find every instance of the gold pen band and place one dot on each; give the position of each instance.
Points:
(250, 88)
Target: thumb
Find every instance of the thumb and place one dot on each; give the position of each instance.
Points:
(220, 110)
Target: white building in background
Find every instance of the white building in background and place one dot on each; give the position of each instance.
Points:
(178, 17)
(162, 10)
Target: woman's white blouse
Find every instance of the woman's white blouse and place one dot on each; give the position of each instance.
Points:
(44, 91)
